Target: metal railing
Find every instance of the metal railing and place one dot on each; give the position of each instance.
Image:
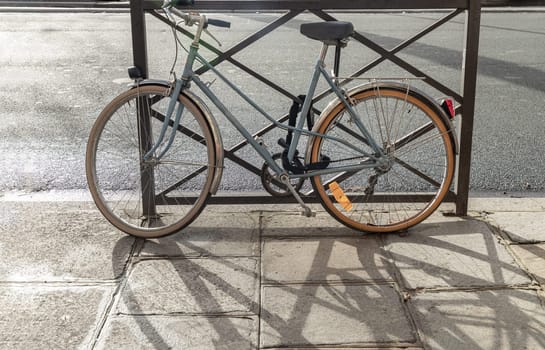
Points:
(290, 9)
(104, 4)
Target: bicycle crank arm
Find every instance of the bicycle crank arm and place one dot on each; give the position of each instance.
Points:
(306, 209)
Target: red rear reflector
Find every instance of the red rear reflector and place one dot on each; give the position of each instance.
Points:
(448, 107)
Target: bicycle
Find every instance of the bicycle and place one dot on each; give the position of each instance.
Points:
(381, 156)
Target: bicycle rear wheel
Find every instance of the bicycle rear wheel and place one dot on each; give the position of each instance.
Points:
(153, 197)
(421, 160)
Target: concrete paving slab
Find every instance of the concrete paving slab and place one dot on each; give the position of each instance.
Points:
(496, 319)
(192, 286)
(168, 332)
(212, 234)
(492, 202)
(365, 346)
(295, 225)
(325, 259)
(521, 227)
(51, 317)
(453, 252)
(351, 347)
(333, 314)
(533, 258)
(59, 241)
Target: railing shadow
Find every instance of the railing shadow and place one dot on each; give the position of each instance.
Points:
(453, 310)
(470, 294)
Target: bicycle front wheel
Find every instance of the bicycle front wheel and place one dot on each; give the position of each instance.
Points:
(149, 196)
(419, 150)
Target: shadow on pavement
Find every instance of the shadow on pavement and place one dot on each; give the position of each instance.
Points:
(450, 284)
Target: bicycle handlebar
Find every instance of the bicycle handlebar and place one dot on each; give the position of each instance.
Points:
(218, 23)
(191, 18)
(179, 3)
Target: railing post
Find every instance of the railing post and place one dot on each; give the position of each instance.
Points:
(140, 57)
(469, 82)
(138, 29)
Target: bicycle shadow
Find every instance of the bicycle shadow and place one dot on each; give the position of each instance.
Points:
(535, 255)
(471, 294)
(453, 309)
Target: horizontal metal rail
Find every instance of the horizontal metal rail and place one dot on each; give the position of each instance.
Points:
(261, 5)
(257, 198)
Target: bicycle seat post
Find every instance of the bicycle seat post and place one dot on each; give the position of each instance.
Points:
(337, 62)
(323, 52)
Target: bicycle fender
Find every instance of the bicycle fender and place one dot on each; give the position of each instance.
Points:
(392, 85)
(212, 124)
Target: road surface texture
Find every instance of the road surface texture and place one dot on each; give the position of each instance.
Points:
(59, 69)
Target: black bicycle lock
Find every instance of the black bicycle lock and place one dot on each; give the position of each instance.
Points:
(296, 166)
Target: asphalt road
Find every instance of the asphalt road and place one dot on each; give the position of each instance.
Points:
(58, 70)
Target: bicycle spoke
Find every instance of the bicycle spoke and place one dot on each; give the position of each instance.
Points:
(412, 178)
(131, 192)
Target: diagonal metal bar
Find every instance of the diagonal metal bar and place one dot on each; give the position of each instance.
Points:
(193, 135)
(229, 153)
(235, 62)
(417, 172)
(323, 15)
(266, 81)
(250, 40)
(390, 54)
(421, 131)
(185, 32)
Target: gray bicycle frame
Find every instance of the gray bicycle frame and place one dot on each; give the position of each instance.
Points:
(371, 160)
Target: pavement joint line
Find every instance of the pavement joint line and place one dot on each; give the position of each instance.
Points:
(398, 286)
(56, 284)
(522, 265)
(391, 265)
(228, 314)
(502, 237)
(279, 237)
(136, 247)
(361, 345)
(470, 289)
(504, 240)
(144, 258)
(370, 282)
(525, 243)
(409, 314)
(541, 297)
(261, 269)
(180, 315)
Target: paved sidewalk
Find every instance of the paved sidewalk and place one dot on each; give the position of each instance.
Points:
(267, 278)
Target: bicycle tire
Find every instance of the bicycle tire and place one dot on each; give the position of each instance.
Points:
(119, 179)
(421, 149)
